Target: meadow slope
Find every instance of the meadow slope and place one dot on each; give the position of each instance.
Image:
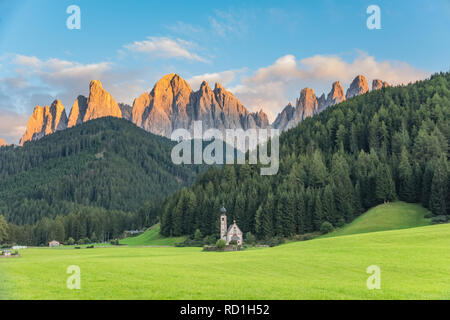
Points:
(389, 216)
(414, 265)
(152, 237)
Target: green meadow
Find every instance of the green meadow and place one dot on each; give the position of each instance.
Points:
(390, 216)
(414, 265)
(151, 237)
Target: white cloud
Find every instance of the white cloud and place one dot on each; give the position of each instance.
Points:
(12, 126)
(39, 82)
(224, 78)
(273, 86)
(164, 47)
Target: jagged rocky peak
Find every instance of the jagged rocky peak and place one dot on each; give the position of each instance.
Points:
(307, 104)
(45, 120)
(100, 103)
(3, 143)
(172, 104)
(139, 106)
(78, 111)
(358, 86)
(126, 110)
(336, 94)
(322, 101)
(284, 117)
(378, 84)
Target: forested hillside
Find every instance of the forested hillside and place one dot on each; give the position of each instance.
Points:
(385, 145)
(106, 163)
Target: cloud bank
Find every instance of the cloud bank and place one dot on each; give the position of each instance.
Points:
(272, 87)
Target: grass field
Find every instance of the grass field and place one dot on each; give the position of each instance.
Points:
(151, 237)
(414, 265)
(391, 216)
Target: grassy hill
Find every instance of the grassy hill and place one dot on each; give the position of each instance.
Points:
(152, 237)
(413, 262)
(391, 216)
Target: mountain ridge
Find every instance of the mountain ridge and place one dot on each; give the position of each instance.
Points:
(173, 104)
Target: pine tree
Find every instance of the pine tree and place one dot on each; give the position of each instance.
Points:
(329, 206)
(439, 191)
(406, 179)
(3, 229)
(385, 188)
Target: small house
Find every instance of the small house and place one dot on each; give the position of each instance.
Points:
(54, 243)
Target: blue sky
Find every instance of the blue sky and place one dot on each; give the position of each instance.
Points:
(265, 52)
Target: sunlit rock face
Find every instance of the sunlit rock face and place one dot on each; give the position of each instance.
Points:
(172, 104)
(378, 84)
(45, 120)
(100, 103)
(359, 86)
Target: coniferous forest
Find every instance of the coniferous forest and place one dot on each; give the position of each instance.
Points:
(98, 179)
(91, 181)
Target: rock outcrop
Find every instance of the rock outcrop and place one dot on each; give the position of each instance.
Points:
(336, 94)
(78, 111)
(306, 106)
(172, 104)
(126, 110)
(100, 103)
(45, 120)
(284, 117)
(3, 143)
(358, 86)
(378, 84)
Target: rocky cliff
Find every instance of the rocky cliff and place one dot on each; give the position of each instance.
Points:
(45, 120)
(100, 103)
(378, 84)
(308, 104)
(78, 111)
(358, 86)
(172, 104)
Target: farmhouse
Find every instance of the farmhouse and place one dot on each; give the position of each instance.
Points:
(54, 243)
(232, 233)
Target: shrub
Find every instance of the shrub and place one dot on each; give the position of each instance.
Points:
(326, 227)
(220, 244)
(198, 236)
(250, 238)
(275, 241)
(209, 240)
(233, 243)
(439, 219)
(340, 223)
(71, 241)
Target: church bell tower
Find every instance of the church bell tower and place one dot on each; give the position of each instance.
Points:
(223, 224)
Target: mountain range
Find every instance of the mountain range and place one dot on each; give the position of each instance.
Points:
(172, 104)
(309, 104)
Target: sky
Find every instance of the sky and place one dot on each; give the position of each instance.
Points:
(263, 51)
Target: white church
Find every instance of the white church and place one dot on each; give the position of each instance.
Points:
(229, 233)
